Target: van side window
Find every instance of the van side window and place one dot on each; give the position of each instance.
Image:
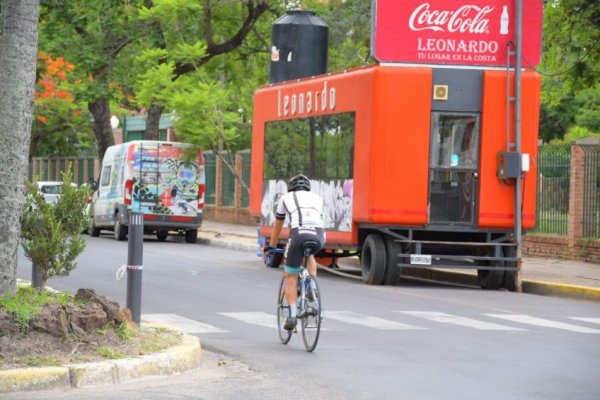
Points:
(105, 176)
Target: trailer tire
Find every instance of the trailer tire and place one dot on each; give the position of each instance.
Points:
(490, 279)
(510, 277)
(392, 271)
(373, 260)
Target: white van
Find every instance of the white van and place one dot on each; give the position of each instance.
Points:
(164, 180)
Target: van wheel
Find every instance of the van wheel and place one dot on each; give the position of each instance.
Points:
(120, 230)
(372, 261)
(94, 231)
(162, 235)
(191, 236)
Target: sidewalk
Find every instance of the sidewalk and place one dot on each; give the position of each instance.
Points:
(545, 276)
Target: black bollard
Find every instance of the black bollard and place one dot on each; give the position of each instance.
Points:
(134, 265)
(36, 276)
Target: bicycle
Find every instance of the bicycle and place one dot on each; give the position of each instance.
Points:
(308, 303)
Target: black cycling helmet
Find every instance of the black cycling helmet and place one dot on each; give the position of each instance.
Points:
(298, 182)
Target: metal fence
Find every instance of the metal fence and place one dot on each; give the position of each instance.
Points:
(51, 169)
(554, 169)
(591, 192)
(210, 176)
(246, 158)
(227, 180)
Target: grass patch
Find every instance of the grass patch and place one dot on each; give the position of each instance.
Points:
(158, 339)
(26, 303)
(109, 354)
(40, 361)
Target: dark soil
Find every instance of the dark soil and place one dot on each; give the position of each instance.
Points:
(33, 348)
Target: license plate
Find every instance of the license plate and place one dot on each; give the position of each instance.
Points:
(420, 259)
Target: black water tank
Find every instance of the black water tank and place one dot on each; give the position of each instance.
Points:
(298, 46)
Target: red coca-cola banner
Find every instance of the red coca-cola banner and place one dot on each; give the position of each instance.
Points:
(456, 32)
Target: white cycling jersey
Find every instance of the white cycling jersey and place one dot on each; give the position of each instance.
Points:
(304, 210)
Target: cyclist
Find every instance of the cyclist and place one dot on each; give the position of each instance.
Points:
(304, 209)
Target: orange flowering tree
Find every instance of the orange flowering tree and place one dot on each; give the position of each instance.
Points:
(59, 128)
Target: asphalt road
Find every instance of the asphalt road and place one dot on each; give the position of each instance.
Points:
(413, 341)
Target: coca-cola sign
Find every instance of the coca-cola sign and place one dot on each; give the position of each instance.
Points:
(455, 32)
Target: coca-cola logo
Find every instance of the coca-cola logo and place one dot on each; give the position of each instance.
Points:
(467, 18)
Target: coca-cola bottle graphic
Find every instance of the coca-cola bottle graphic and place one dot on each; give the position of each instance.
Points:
(504, 21)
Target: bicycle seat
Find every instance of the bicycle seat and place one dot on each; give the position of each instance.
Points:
(310, 246)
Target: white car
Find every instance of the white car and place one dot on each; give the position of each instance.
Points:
(51, 190)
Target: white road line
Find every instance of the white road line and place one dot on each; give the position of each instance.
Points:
(368, 321)
(185, 324)
(456, 320)
(592, 320)
(254, 318)
(527, 319)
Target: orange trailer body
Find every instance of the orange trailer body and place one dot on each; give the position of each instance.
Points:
(405, 147)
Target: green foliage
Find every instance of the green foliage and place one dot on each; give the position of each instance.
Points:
(124, 331)
(108, 353)
(569, 65)
(27, 302)
(51, 233)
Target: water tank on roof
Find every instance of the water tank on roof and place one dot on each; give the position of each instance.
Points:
(298, 46)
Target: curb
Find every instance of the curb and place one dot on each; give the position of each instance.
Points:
(459, 278)
(182, 357)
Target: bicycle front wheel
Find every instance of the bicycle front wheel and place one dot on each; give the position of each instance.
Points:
(311, 320)
(283, 312)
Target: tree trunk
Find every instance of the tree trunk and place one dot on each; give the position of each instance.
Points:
(18, 54)
(100, 110)
(152, 122)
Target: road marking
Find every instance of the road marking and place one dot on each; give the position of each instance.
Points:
(527, 319)
(368, 321)
(456, 320)
(185, 324)
(254, 318)
(592, 320)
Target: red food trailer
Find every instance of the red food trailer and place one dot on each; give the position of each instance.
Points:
(413, 172)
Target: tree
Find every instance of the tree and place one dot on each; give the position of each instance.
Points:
(51, 232)
(182, 70)
(570, 62)
(91, 34)
(59, 127)
(18, 50)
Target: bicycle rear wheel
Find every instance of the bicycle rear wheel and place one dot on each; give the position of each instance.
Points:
(283, 311)
(311, 319)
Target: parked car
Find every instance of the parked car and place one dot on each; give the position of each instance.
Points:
(51, 190)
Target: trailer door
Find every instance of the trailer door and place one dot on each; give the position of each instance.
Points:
(453, 168)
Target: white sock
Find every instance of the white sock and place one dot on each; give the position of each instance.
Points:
(293, 311)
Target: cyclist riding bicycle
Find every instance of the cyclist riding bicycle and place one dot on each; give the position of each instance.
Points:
(304, 209)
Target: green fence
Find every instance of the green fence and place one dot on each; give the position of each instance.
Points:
(246, 157)
(51, 169)
(591, 191)
(210, 175)
(554, 169)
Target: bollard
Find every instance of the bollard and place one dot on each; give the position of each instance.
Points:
(134, 265)
(36, 276)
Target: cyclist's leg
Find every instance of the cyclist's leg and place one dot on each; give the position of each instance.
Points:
(311, 265)
(293, 255)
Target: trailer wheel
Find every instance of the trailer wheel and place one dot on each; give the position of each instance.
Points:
(372, 261)
(510, 277)
(392, 271)
(490, 279)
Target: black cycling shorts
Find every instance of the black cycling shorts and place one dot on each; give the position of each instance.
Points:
(293, 250)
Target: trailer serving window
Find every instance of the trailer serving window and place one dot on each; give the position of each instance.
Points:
(321, 147)
(454, 159)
